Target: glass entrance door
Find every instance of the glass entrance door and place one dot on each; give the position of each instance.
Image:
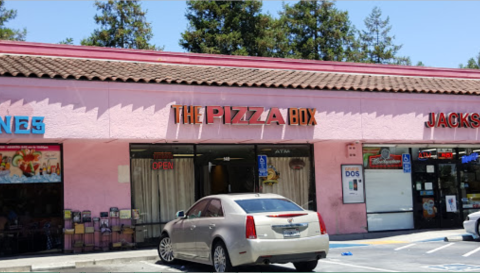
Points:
(225, 169)
(448, 192)
(426, 201)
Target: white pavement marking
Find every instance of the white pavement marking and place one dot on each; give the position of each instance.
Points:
(438, 248)
(404, 246)
(471, 252)
(359, 266)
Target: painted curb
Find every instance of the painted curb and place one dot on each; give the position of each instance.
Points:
(459, 238)
(24, 268)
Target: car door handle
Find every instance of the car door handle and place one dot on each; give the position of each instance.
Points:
(211, 226)
(193, 227)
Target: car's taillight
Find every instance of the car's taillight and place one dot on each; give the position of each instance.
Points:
(250, 231)
(323, 228)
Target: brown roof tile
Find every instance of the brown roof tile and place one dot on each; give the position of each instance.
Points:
(100, 70)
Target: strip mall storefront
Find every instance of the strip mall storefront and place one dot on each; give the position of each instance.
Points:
(113, 154)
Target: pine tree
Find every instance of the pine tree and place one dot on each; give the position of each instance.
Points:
(228, 27)
(472, 63)
(122, 25)
(8, 33)
(318, 30)
(377, 44)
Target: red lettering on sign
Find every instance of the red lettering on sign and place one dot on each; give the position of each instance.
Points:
(214, 112)
(464, 120)
(257, 114)
(227, 117)
(431, 121)
(237, 119)
(475, 120)
(453, 120)
(275, 116)
(442, 121)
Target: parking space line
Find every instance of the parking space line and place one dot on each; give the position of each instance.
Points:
(438, 248)
(404, 246)
(471, 252)
(359, 266)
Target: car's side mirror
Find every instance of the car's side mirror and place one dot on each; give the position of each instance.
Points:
(180, 214)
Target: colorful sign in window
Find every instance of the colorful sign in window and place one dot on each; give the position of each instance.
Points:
(30, 164)
(381, 158)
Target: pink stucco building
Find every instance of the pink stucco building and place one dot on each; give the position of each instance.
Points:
(370, 147)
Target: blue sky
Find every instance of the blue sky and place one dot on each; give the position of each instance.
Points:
(438, 33)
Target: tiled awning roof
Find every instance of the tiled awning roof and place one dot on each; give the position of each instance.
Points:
(121, 71)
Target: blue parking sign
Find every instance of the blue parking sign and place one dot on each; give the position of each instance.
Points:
(406, 158)
(262, 166)
(407, 167)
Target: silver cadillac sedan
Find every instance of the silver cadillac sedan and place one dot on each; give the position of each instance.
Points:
(243, 229)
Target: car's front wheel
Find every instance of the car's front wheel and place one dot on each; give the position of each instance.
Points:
(165, 249)
(478, 227)
(306, 266)
(221, 260)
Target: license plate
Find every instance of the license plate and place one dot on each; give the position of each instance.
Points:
(291, 233)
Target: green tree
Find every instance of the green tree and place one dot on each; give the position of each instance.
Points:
(377, 44)
(67, 41)
(420, 63)
(473, 63)
(317, 30)
(8, 33)
(228, 27)
(122, 25)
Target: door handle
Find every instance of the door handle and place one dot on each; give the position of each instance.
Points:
(211, 226)
(193, 227)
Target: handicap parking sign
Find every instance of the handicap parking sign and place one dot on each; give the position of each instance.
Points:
(407, 167)
(406, 158)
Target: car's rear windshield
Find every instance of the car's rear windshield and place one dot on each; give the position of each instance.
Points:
(267, 205)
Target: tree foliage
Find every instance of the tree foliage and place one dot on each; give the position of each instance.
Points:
(472, 63)
(8, 33)
(377, 44)
(123, 24)
(67, 41)
(317, 30)
(228, 27)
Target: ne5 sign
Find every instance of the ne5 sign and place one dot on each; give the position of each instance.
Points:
(22, 125)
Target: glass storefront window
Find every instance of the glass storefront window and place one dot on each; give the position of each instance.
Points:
(163, 182)
(289, 173)
(469, 166)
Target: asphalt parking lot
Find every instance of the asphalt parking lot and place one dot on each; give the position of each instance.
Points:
(375, 256)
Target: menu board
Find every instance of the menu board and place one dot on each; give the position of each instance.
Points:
(30, 164)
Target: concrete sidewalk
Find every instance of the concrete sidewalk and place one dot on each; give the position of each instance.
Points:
(53, 262)
(61, 261)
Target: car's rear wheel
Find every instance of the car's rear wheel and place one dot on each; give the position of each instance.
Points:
(221, 260)
(165, 249)
(305, 266)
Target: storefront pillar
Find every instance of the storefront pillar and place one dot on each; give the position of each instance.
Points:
(340, 218)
